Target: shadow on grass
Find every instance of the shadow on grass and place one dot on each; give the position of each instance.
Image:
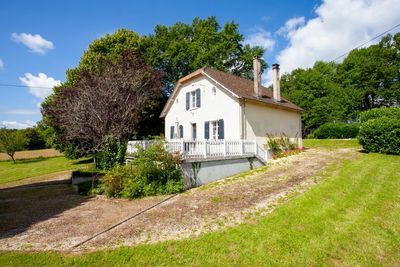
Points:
(21, 206)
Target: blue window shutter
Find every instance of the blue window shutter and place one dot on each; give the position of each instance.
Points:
(198, 98)
(187, 101)
(207, 130)
(180, 131)
(171, 132)
(221, 131)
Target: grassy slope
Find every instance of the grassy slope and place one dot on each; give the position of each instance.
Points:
(10, 172)
(331, 143)
(351, 218)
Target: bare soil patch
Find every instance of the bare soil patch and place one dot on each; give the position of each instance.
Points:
(31, 154)
(57, 218)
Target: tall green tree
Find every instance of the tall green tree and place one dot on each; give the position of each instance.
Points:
(374, 72)
(367, 78)
(182, 48)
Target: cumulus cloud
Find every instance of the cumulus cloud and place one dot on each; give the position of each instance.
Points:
(40, 86)
(1, 64)
(35, 43)
(17, 124)
(260, 37)
(290, 26)
(338, 27)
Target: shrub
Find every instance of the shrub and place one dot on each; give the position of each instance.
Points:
(278, 143)
(114, 181)
(376, 113)
(381, 135)
(113, 154)
(338, 130)
(154, 171)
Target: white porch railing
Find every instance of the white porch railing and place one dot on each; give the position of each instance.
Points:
(190, 149)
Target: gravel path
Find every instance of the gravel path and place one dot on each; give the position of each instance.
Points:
(57, 218)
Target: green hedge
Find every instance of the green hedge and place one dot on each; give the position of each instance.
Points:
(381, 135)
(338, 130)
(376, 113)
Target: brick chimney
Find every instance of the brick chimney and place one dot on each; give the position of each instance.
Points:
(276, 83)
(257, 76)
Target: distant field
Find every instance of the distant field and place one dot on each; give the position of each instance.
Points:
(30, 154)
(27, 168)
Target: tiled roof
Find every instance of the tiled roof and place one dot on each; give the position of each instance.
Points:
(245, 88)
(241, 87)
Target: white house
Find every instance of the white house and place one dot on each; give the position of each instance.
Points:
(213, 105)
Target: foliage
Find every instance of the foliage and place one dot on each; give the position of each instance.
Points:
(35, 140)
(153, 171)
(342, 221)
(279, 143)
(12, 141)
(182, 48)
(376, 113)
(113, 154)
(381, 135)
(107, 103)
(337, 130)
(329, 92)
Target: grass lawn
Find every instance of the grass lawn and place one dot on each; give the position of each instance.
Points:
(351, 218)
(331, 143)
(26, 168)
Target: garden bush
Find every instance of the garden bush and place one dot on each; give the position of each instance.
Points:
(381, 135)
(280, 143)
(376, 113)
(154, 171)
(113, 154)
(337, 130)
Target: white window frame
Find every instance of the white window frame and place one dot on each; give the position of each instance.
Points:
(193, 99)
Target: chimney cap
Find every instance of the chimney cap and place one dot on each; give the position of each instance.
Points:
(275, 66)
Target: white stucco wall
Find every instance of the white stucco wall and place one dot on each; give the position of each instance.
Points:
(213, 107)
(261, 120)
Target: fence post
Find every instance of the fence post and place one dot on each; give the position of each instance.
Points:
(205, 148)
(182, 147)
(255, 147)
(241, 147)
(224, 146)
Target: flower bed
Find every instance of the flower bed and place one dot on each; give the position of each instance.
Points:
(286, 153)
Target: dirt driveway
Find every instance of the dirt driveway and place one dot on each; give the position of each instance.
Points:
(57, 218)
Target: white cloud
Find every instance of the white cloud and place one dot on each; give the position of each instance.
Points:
(290, 26)
(338, 27)
(260, 37)
(1, 64)
(35, 43)
(40, 86)
(21, 112)
(17, 124)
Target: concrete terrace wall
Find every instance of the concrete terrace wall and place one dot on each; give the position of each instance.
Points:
(214, 106)
(200, 172)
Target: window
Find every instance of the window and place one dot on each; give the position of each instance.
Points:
(193, 99)
(194, 131)
(214, 130)
(180, 131)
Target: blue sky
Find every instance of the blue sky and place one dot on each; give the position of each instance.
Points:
(49, 37)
